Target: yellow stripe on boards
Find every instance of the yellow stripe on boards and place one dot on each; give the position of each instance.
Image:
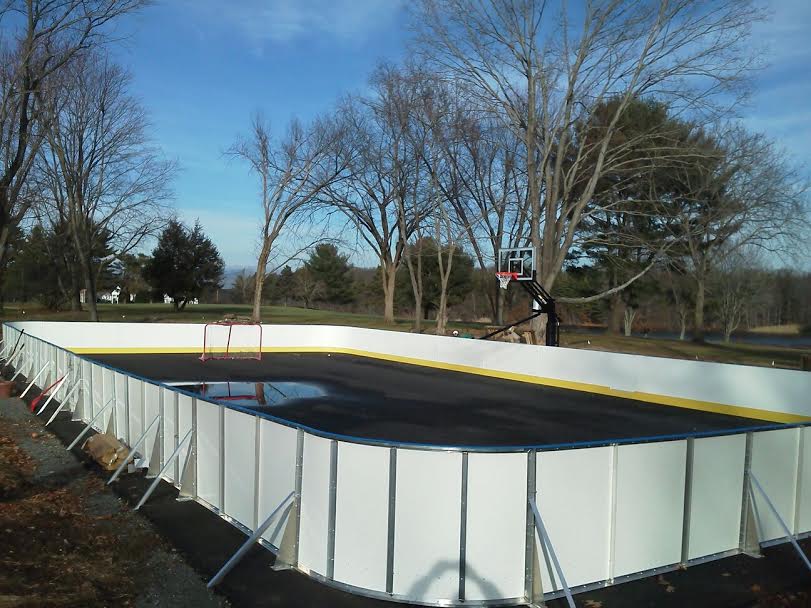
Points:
(692, 404)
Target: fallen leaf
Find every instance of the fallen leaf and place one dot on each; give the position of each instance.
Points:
(755, 588)
(670, 589)
(593, 604)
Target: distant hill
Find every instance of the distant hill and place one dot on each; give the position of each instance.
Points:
(231, 273)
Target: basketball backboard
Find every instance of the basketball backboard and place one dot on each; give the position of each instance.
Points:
(518, 260)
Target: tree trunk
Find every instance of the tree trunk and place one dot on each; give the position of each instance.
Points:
(259, 281)
(415, 274)
(698, 313)
(4, 234)
(628, 321)
(175, 304)
(616, 314)
(501, 299)
(682, 323)
(90, 290)
(388, 275)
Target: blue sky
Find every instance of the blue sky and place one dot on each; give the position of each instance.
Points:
(201, 67)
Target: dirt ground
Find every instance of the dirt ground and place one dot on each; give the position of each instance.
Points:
(67, 540)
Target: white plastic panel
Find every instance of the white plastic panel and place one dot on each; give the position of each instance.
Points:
(573, 492)
(108, 392)
(209, 455)
(135, 399)
(185, 412)
(803, 518)
(717, 491)
(240, 466)
(496, 526)
(97, 387)
(170, 437)
(427, 521)
(121, 407)
(649, 506)
(314, 504)
(361, 516)
(277, 473)
(774, 464)
(152, 409)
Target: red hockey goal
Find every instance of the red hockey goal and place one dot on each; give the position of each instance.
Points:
(232, 340)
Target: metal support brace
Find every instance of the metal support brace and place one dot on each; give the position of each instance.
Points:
(13, 357)
(756, 484)
(544, 538)
(64, 402)
(52, 395)
(133, 449)
(29, 362)
(90, 424)
(169, 461)
(246, 546)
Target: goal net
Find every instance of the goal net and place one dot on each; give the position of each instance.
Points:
(232, 340)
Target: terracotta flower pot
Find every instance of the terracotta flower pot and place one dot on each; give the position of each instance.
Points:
(6, 388)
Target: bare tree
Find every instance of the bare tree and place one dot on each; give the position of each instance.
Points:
(736, 282)
(740, 191)
(106, 178)
(39, 39)
(528, 63)
(294, 173)
(381, 196)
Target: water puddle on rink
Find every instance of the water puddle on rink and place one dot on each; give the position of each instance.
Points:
(257, 394)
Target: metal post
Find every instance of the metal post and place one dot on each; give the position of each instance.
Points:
(221, 424)
(391, 520)
(688, 501)
(333, 495)
(783, 525)
(52, 395)
(612, 513)
(463, 528)
(29, 363)
(748, 538)
(174, 455)
(299, 475)
(64, 402)
(529, 550)
(544, 538)
(257, 476)
(134, 447)
(36, 377)
(90, 424)
(246, 546)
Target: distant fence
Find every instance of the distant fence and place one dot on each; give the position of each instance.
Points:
(442, 524)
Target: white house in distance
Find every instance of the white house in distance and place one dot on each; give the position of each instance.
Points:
(111, 297)
(167, 299)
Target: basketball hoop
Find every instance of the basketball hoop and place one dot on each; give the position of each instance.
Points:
(504, 278)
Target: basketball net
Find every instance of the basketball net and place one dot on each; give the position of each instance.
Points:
(504, 278)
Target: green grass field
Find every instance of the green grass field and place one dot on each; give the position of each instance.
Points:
(745, 354)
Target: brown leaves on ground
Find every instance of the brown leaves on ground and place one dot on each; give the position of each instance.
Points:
(55, 552)
(15, 467)
(766, 599)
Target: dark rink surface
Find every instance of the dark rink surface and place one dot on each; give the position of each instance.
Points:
(391, 401)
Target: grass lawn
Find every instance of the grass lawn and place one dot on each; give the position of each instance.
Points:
(745, 354)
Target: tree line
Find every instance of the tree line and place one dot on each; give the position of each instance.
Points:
(604, 136)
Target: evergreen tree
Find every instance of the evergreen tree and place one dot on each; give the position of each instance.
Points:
(184, 264)
(332, 271)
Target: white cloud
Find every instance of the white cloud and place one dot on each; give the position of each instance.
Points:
(278, 21)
